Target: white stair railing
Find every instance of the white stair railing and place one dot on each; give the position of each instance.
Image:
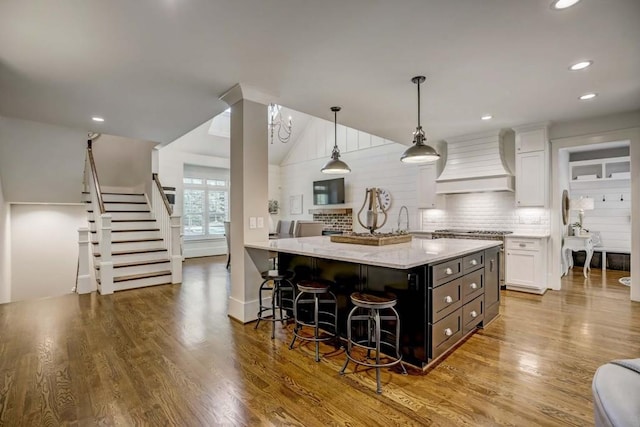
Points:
(169, 225)
(103, 226)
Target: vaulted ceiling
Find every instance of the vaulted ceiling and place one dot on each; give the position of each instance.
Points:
(154, 69)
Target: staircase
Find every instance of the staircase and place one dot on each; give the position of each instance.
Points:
(131, 241)
(139, 253)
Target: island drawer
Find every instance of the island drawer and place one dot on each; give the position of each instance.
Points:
(472, 285)
(446, 299)
(472, 314)
(446, 333)
(473, 261)
(523, 244)
(446, 271)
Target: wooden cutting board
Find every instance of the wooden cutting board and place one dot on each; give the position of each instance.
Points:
(372, 240)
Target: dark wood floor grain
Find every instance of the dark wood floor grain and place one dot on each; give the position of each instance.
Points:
(169, 355)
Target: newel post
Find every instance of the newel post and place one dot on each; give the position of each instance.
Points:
(84, 285)
(176, 250)
(106, 263)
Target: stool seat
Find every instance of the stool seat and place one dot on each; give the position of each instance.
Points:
(314, 286)
(275, 275)
(363, 300)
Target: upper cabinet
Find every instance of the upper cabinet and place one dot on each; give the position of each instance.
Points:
(532, 165)
(613, 169)
(427, 197)
(531, 140)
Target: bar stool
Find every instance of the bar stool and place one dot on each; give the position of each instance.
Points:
(316, 293)
(282, 292)
(372, 305)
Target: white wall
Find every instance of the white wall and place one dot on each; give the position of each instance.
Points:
(5, 273)
(41, 162)
(123, 163)
(374, 162)
(44, 249)
(485, 211)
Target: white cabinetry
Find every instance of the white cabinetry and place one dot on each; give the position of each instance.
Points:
(526, 264)
(427, 197)
(612, 169)
(532, 165)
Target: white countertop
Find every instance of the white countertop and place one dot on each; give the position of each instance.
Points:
(531, 234)
(401, 256)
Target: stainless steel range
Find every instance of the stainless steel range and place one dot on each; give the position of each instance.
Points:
(479, 235)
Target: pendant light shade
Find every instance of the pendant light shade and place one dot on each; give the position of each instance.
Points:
(335, 165)
(419, 152)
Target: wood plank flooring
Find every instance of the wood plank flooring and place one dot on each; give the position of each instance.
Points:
(169, 355)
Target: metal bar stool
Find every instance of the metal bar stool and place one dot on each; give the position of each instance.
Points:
(282, 293)
(318, 294)
(370, 307)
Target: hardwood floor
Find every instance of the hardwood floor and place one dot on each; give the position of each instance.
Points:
(169, 355)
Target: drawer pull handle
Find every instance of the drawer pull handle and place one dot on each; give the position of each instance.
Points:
(449, 271)
(448, 332)
(448, 299)
(473, 285)
(473, 262)
(474, 314)
(523, 245)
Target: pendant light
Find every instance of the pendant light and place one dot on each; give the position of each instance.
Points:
(419, 152)
(335, 165)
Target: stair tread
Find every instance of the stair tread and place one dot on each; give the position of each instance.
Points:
(119, 202)
(121, 211)
(137, 263)
(151, 239)
(118, 194)
(141, 276)
(132, 230)
(134, 251)
(128, 220)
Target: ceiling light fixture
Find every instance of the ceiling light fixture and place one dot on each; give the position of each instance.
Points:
(580, 65)
(97, 119)
(335, 165)
(419, 152)
(563, 4)
(486, 117)
(588, 96)
(277, 125)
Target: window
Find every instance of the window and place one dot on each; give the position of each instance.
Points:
(206, 207)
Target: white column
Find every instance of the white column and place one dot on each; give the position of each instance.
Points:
(249, 197)
(176, 249)
(84, 285)
(106, 263)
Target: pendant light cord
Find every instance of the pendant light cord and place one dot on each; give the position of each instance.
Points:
(419, 105)
(335, 129)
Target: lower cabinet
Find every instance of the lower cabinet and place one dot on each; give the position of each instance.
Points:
(458, 291)
(526, 268)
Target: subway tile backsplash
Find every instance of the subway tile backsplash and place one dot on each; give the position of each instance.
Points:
(486, 211)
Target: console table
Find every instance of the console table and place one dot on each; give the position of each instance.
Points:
(577, 243)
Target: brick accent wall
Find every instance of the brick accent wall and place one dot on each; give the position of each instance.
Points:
(335, 221)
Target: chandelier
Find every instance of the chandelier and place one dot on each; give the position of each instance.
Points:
(277, 126)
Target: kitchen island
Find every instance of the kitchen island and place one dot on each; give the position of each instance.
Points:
(446, 288)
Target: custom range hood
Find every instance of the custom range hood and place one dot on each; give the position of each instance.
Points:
(478, 163)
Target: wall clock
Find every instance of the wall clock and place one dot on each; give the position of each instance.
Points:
(565, 207)
(385, 198)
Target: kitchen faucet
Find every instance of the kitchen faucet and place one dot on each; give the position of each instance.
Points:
(407, 216)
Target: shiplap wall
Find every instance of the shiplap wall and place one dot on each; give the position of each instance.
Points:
(374, 162)
(486, 211)
(611, 216)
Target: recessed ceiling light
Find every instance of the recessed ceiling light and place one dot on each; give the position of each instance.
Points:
(97, 119)
(587, 96)
(580, 65)
(563, 4)
(487, 117)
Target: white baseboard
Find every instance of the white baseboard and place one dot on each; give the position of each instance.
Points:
(245, 311)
